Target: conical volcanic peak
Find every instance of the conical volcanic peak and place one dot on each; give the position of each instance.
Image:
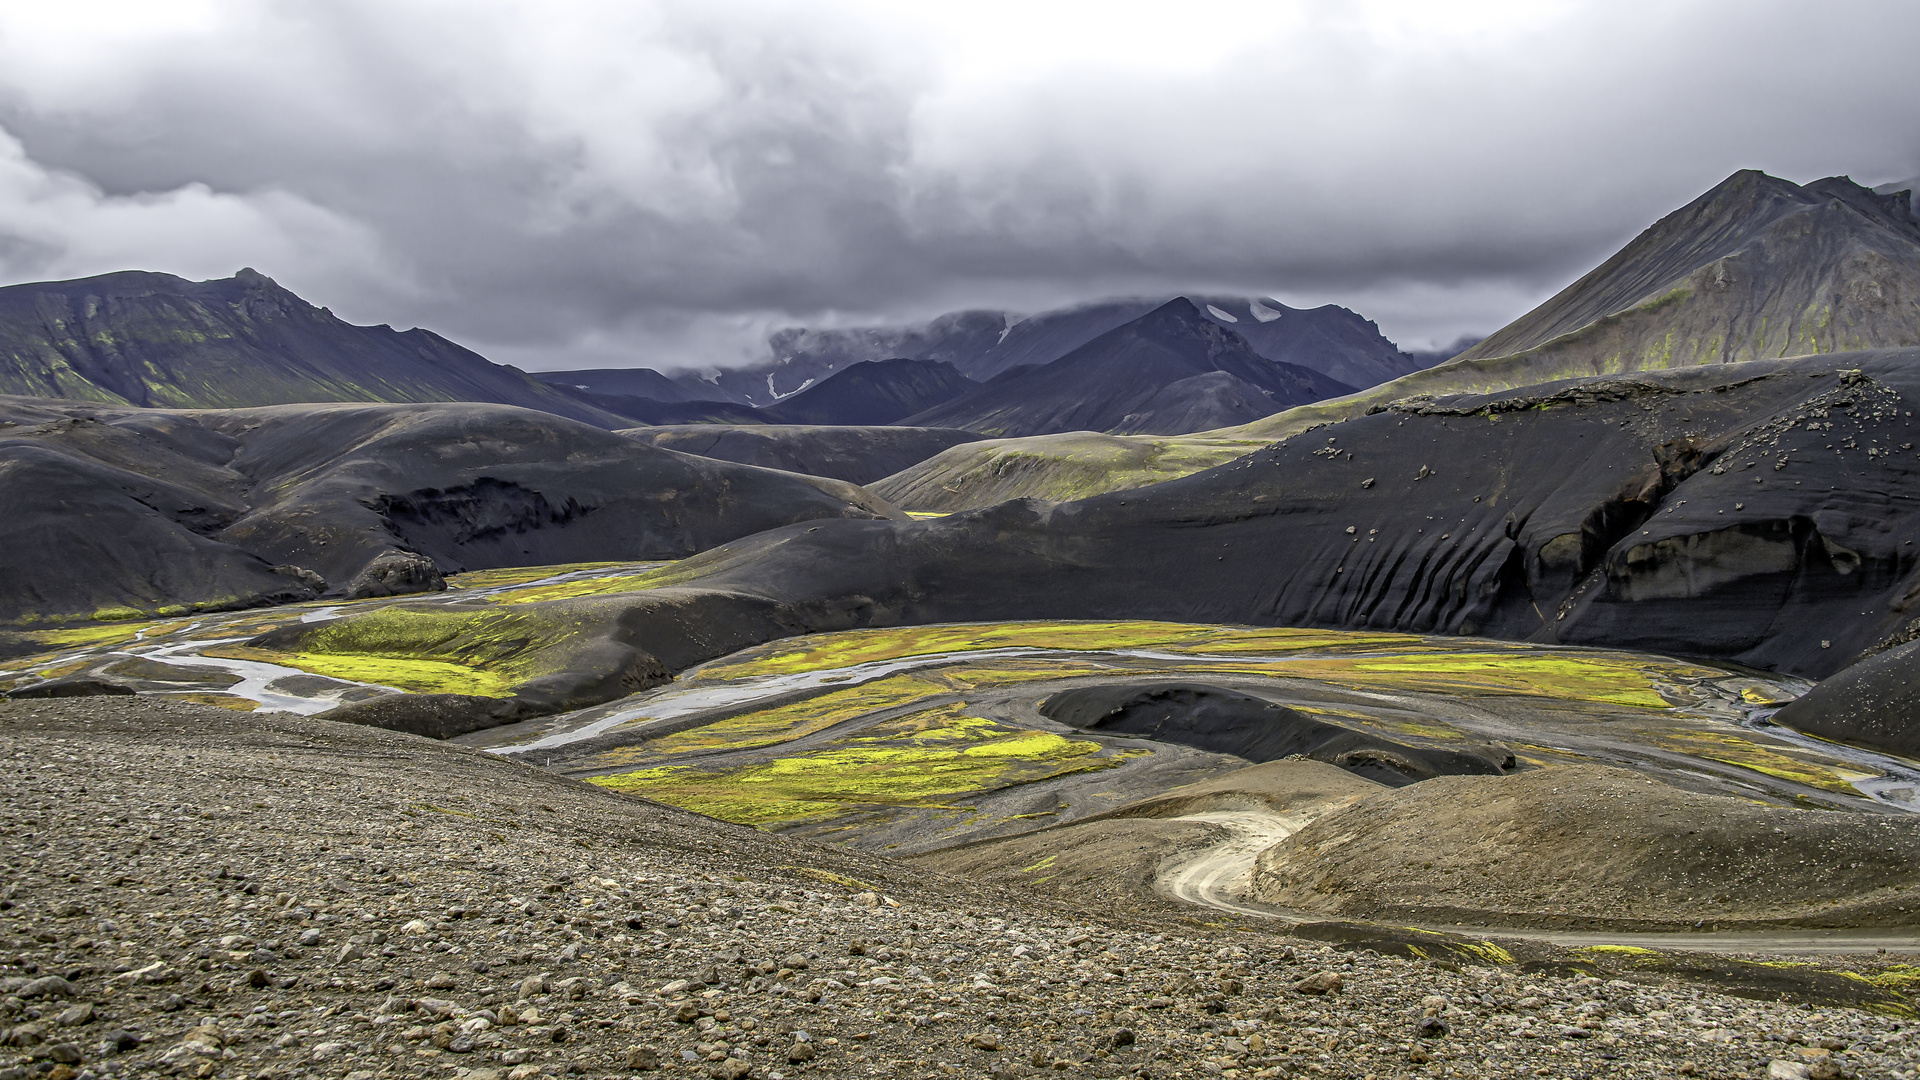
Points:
(1756, 268)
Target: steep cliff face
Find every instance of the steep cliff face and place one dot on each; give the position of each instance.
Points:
(155, 340)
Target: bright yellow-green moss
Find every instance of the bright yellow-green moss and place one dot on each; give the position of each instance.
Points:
(401, 673)
(944, 755)
(224, 701)
(100, 635)
(597, 586)
(786, 722)
(437, 649)
(1565, 677)
(1731, 749)
(821, 652)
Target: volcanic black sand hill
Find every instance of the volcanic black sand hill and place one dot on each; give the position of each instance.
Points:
(119, 508)
(856, 454)
(1171, 370)
(873, 392)
(137, 338)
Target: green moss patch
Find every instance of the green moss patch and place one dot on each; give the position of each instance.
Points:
(925, 761)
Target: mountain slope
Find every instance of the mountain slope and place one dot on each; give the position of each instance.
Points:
(1168, 371)
(627, 382)
(155, 340)
(1755, 268)
(873, 392)
(106, 508)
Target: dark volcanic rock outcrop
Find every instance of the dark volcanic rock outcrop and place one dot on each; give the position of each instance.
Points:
(109, 508)
(1875, 702)
(1169, 371)
(858, 455)
(1225, 721)
(157, 340)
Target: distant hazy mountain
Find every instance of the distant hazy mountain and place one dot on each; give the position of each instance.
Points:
(627, 382)
(1330, 340)
(1169, 371)
(873, 392)
(804, 357)
(157, 340)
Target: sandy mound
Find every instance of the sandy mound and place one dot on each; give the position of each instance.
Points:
(1594, 846)
(1117, 857)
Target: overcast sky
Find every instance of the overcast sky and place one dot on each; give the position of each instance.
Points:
(662, 183)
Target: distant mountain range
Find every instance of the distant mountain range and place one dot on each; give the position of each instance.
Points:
(159, 341)
(981, 345)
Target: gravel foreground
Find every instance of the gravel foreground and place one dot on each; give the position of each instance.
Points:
(201, 893)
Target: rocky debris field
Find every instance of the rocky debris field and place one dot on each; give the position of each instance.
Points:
(195, 892)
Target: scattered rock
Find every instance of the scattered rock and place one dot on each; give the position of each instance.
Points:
(1320, 982)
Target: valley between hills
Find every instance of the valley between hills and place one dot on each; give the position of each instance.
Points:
(1169, 687)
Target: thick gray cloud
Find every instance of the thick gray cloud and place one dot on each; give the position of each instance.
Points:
(664, 182)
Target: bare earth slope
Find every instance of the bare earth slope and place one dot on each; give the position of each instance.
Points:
(1707, 512)
(1594, 846)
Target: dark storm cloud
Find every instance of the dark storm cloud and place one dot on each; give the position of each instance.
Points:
(569, 184)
